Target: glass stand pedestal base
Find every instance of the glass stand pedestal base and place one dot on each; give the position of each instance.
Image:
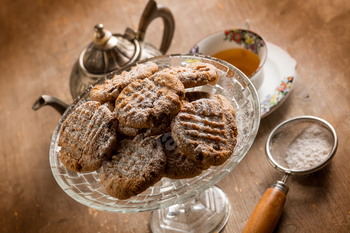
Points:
(207, 212)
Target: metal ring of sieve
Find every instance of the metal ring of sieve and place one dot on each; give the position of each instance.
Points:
(293, 121)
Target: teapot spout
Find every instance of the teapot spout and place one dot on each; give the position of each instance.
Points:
(50, 101)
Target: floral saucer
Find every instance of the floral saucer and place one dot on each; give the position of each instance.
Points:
(279, 77)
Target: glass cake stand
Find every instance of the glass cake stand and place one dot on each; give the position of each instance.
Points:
(183, 205)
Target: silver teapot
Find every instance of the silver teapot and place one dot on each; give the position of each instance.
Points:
(109, 52)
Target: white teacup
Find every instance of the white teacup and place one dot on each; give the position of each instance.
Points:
(235, 39)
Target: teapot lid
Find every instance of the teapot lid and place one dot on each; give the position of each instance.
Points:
(109, 51)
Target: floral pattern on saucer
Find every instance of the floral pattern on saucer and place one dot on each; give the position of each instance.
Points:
(194, 50)
(249, 40)
(273, 99)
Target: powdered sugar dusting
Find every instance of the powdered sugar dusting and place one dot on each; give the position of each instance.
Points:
(309, 148)
(149, 102)
(196, 74)
(111, 89)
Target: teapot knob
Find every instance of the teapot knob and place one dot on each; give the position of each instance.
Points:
(99, 30)
(101, 35)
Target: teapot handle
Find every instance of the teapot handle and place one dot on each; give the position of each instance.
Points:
(152, 11)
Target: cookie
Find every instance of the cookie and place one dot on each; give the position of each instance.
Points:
(110, 90)
(157, 130)
(110, 105)
(150, 102)
(205, 131)
(147, 132)
(179, 165)
(185, 101)
(196, 95)
(225, 103)
(138, 165)
(196, 74)
(127, 130)
(87, 137)
(163, 128)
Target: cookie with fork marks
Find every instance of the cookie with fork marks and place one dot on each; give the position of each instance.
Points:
(87, 137)
(110, 90)
(196, 74)
(196, 95)
(150, 102)
(205, 131)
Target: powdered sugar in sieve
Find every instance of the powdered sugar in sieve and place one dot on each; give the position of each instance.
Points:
(301, 145)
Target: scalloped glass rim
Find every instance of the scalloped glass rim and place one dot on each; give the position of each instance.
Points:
(166, 192)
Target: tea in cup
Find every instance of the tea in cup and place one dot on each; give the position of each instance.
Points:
(243, 48)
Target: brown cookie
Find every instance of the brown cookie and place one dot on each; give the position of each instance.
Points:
(150, 102)
(205, 131)
(157, 130)
(127, 130)
(196, 74)
(110, 90)
(110, 105)
(196, 95)
(138, 165)
(147, 132)
(179, 165)
(87, 137)
(185, 101)
(225, 103)
(163, 128)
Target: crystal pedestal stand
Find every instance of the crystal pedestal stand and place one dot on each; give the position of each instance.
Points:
(207, 212)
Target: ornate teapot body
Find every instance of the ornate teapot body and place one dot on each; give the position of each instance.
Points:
(109, 52)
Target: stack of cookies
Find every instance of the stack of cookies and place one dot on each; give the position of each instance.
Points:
(141, 126)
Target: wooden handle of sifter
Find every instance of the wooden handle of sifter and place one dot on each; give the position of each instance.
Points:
(268, 211)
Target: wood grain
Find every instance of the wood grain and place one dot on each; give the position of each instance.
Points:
(41, 40)
(267, 212)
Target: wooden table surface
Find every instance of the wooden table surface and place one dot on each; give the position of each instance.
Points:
(41, 40)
